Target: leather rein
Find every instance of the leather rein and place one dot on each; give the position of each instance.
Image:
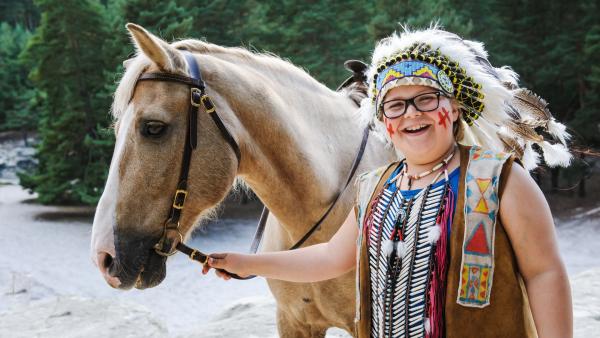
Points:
(198, 99)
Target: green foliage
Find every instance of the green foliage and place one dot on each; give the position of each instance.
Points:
(74, 59)
(587, 119)
(318, 36)
(388, 16)
(19, 12)
(16, 93)
(167, 19)
(223, 22)
(67, 59)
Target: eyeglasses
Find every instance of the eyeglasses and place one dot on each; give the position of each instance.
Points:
(423, 102)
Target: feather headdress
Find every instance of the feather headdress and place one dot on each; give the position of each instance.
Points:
(495, 112)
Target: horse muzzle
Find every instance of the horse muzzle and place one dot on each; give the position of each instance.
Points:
(136, 263)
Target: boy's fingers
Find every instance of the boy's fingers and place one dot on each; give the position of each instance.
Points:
(216, 260)
(221, 274)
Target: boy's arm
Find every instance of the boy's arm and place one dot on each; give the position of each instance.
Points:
(309, 264)
(528, 222)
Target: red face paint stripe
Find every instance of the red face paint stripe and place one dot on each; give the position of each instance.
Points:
(390, 130)
(443, 117)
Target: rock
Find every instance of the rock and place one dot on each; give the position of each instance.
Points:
(16, 156)
(26, 164)
(71, 317)
(249, 318)
(586, 303)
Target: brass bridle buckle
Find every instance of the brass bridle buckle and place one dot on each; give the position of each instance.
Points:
(179, 199)
(195, 97)
(158, 247)
(208, 104)
(196, 252)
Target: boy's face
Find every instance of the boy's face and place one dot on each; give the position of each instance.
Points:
(423, 137)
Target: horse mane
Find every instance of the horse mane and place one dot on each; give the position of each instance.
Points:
(274, 65)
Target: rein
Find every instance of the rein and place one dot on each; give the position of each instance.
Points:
(198, 99)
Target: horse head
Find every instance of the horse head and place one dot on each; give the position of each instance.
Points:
(152, 120)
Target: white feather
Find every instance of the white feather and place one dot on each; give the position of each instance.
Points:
(556, 154)
(530, 157)
(468, 139)
(387, 247)
(487, 131)
(434, 233)
(559, 130)
(401, 249)
(427, 325)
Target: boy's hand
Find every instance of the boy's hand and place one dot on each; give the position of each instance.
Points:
(223, 263)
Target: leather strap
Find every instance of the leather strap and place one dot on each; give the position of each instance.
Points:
(198, 83)
(198, 98)
(355, 164)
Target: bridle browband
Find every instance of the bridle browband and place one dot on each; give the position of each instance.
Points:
(198, 99)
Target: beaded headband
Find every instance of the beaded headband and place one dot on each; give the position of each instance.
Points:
(412, 73)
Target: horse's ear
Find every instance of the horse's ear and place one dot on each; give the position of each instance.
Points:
(157, 50)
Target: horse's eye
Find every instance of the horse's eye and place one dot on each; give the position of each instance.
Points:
(154, 129)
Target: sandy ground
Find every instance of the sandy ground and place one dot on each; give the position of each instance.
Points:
(50, 288)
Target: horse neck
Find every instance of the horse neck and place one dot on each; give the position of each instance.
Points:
(298, 166)
(298, 143)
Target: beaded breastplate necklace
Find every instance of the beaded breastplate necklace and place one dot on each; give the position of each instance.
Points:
(407, 244)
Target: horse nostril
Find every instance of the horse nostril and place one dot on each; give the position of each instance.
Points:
(107, 263)
(107, 260)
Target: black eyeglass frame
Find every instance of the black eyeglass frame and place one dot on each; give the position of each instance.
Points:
(411, 101)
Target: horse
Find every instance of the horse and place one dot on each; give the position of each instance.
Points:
(297, 140)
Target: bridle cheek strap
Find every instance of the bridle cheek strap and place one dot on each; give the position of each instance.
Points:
(172, 239)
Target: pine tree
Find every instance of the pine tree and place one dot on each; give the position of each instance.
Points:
(318, 36)
(68, 60)
(167, 19)
(222, 22)
(15, 90)
(19, 12)
(388, 16)
(587, 118)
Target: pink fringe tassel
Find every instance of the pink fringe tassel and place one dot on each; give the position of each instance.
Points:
(437, 288)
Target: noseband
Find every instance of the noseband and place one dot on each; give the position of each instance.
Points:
(199, 99)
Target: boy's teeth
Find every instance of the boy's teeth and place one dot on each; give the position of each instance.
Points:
(416, 127)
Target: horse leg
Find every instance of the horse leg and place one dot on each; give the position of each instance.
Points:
(290, 327)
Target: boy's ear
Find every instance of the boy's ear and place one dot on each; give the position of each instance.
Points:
(455, 110)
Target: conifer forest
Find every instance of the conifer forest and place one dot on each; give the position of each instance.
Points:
(60, 61)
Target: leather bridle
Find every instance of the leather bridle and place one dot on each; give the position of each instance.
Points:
(198, 99)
